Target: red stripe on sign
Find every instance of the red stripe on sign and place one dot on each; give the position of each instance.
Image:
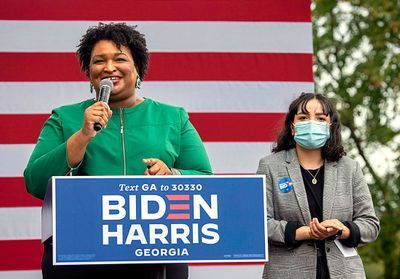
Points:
(178, 216)
(178, 197)
(212, 127)
(179, 206)
(195, 10)
(13, 193)
(168, 67)
(20, 254)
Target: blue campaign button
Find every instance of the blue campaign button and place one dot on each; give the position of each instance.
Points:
(285, 185)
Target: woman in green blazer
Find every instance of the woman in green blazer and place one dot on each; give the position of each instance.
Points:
(139, 136)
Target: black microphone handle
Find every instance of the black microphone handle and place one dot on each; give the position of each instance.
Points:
(97, 127)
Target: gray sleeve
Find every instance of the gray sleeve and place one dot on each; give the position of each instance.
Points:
(276, 228)
(363, 210)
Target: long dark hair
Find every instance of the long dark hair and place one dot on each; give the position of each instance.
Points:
(333, 149)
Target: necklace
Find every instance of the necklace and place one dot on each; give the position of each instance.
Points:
(314, 180)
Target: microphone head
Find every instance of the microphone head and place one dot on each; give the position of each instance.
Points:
(106, 82)
(106, 87)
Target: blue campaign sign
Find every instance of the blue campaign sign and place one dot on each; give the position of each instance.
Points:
(159, 219)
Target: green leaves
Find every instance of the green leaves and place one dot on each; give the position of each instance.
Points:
(357, 62)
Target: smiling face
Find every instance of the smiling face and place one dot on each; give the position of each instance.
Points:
(109, 61)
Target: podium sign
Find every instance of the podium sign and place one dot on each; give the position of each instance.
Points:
(159, 219)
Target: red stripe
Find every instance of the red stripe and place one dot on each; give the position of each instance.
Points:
(237, 127)
(178, 216)
(168, 67)
(20, 254)
(178, 197)
(195, 10)
(27, 254)
(212, 127)
(40, 67)
(179, 206)
(11, 126)
(13, 193)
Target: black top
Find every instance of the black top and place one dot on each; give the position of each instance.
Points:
(315, 198)
(314, 191)
(315, 202)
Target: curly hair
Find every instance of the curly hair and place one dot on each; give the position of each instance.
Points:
(122, 35)
(333, 149)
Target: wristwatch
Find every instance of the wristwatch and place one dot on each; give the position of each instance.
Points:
(338, 235)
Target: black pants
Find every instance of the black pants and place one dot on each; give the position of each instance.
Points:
(322, 264)
(131, 271)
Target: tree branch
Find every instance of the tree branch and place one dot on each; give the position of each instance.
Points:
(361, 152)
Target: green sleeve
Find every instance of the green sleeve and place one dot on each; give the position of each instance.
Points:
(192, 159)
(49, 158)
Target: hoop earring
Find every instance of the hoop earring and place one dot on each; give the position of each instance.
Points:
(91, 87)
(138, 82)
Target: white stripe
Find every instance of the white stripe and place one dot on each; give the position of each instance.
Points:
(225, 157)
(195, 272)
(165, 36)
(20, 223)
(229, 96)
(226, 271)
(21, 274)
(236, 157)
(14, 158)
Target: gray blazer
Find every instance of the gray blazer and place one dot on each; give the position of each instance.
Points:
(346, 197)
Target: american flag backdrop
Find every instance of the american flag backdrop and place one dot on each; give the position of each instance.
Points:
(234, 65)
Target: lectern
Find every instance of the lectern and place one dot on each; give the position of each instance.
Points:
(156, 219)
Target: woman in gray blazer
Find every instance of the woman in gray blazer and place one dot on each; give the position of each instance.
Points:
(319, 207)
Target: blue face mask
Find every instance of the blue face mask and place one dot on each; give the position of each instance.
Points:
(311, 134)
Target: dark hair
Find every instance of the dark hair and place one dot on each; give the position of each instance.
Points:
(122, 35)
(333, 149)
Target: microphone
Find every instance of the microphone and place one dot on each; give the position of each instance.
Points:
(106, 86)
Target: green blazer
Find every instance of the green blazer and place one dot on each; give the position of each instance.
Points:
(148, 130)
